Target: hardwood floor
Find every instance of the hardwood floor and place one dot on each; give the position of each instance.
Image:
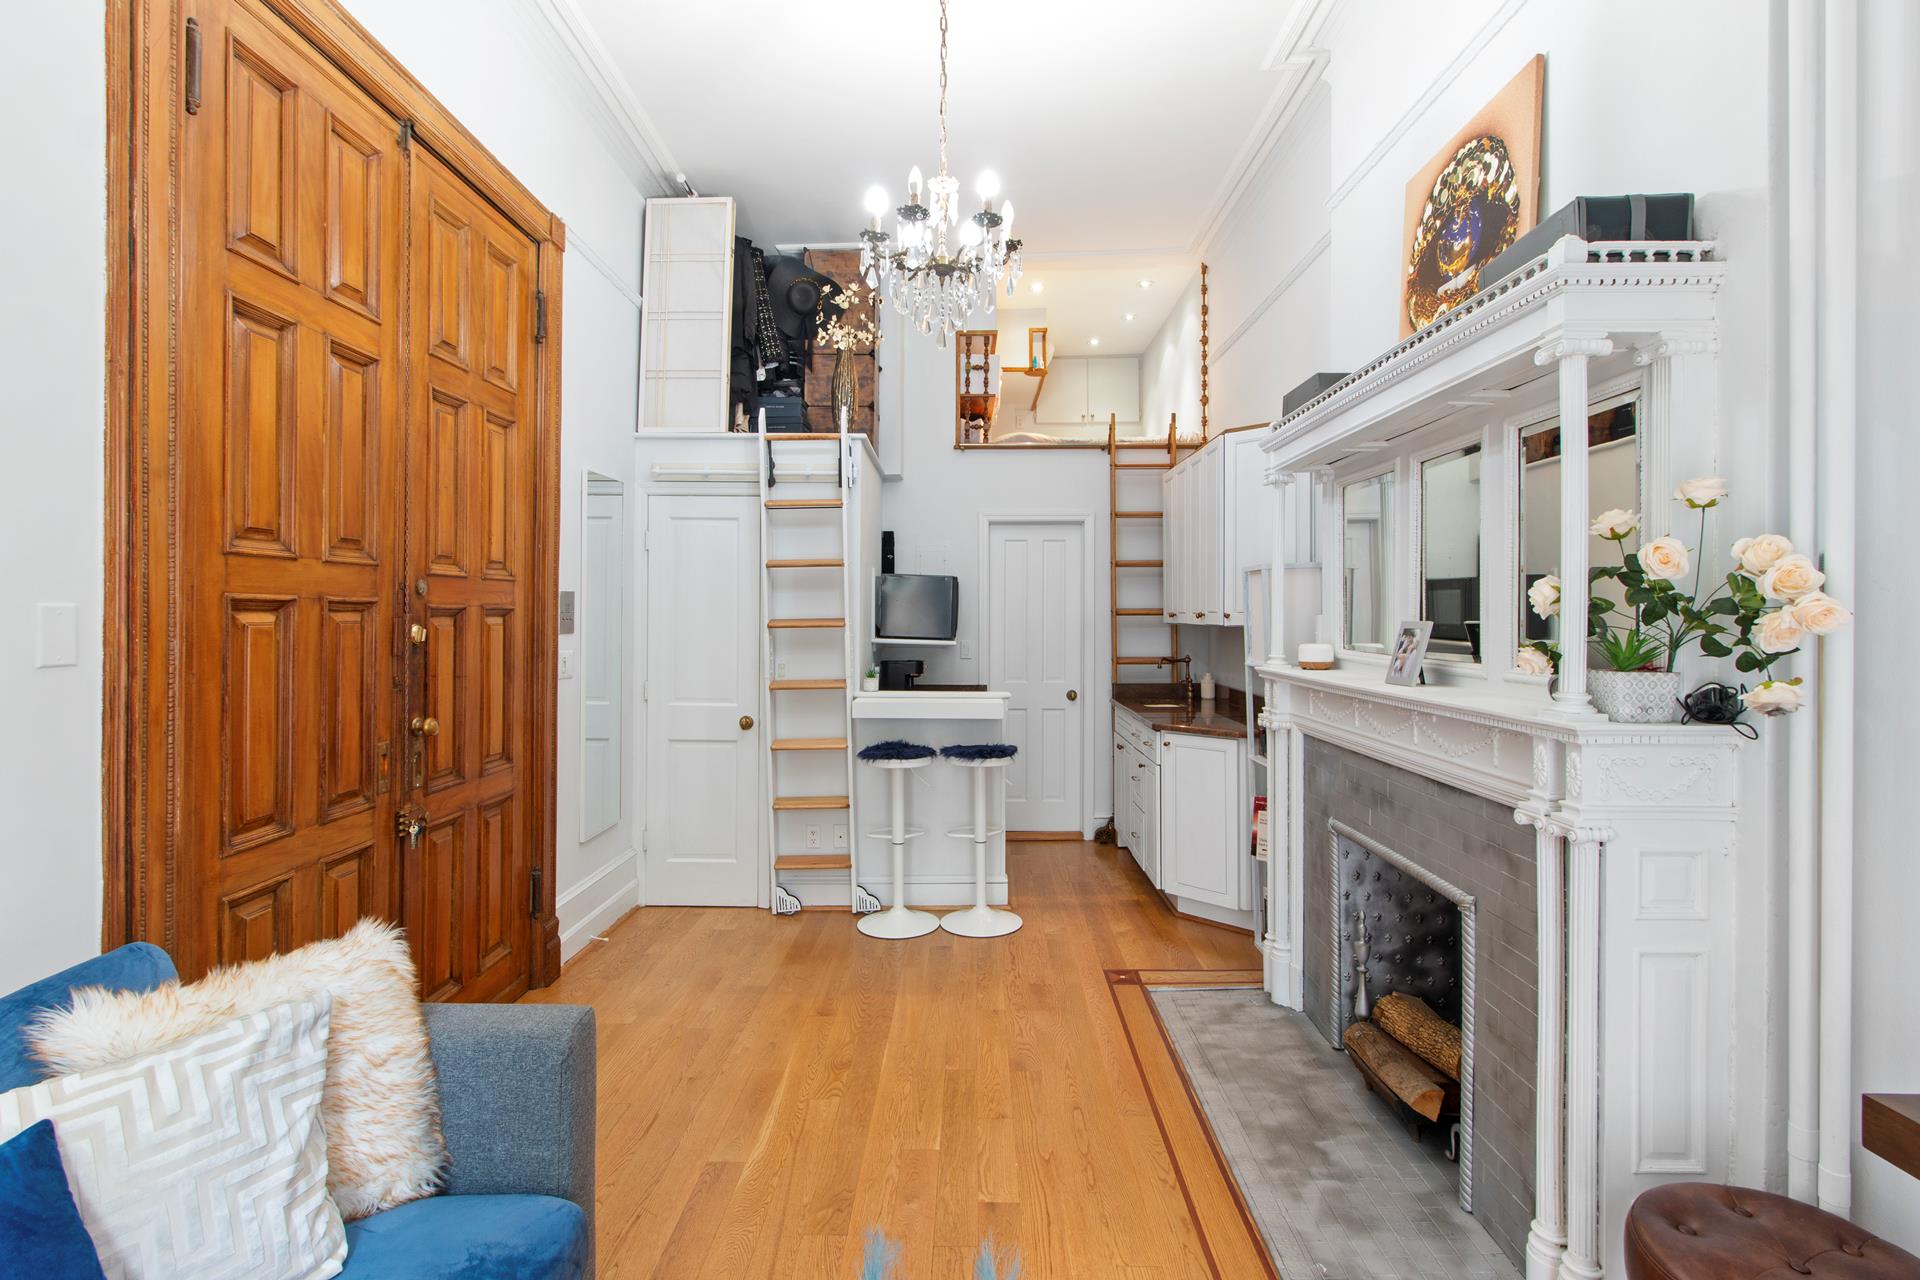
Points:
(771, 1088)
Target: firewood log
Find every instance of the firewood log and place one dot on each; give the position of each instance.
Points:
(1415, 1082)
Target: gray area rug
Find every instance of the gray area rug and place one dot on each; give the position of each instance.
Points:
(1338, 1188)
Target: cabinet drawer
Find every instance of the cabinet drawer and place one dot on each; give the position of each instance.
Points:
(1135, 732)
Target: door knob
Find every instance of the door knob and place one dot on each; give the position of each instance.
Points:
(417, 634)
(746, 722)
(425, 726)
(1073, 695)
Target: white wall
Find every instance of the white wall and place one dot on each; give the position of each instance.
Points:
(936, 510)
(1886, 872)
(547, 131)
(52, 334)
(1170, 369)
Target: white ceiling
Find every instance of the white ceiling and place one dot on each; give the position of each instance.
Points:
(1117, 127)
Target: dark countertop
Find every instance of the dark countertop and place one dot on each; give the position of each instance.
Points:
(1224, 717)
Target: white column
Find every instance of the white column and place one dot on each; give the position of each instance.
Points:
(1280, 940)
(1582, 1258)
(1572, 354)
(1547, 1237)
(1286, 494)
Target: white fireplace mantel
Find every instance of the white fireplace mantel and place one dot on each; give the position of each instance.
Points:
(1635, 867)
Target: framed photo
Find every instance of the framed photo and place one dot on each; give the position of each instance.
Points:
(1409, 652)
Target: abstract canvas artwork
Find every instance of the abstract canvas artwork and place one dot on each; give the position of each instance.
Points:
(1472, 200)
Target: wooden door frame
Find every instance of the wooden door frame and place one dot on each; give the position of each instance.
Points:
(145, 84)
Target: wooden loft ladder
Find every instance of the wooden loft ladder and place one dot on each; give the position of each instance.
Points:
(1138, 510)
(822, 701)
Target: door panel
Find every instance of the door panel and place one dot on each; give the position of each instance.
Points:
(1035, 642)
(704, 801)
(470, 500)
(287, 534)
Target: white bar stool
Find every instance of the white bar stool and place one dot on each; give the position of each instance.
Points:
(898, 920)
(980, 920)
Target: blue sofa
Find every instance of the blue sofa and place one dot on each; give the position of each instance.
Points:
(517, 1104)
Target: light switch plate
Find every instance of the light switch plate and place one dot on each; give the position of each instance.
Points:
(566, 664)
(56, 640)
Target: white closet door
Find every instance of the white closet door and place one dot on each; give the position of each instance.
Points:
(703, 843)
(603, 647)
(1036, 581)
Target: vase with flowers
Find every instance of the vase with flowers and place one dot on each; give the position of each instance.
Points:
(1766, 607)
(845, 323)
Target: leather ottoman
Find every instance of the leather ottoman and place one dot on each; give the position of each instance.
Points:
(1703, 1231)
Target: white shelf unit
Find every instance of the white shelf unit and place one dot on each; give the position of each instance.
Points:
(685, 341)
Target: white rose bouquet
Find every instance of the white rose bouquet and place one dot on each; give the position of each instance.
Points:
(1765, 609)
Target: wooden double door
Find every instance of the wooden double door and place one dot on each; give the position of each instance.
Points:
(348, 674)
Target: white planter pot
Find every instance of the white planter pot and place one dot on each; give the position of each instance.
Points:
(1636, 697)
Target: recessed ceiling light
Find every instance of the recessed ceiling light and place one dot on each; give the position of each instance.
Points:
(1129, 315)
(1146, 284)
(1037, 286)
(1093, 342)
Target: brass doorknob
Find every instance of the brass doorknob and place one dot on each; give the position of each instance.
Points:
(1073, 695)
(746, 722)
(425, 726)
(417, 633)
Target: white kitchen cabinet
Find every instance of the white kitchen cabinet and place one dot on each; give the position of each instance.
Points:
(1202, 819)
(1213, 529)
(1083, 391)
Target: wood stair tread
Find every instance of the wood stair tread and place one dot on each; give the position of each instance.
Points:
(1142, 466)
(784, 803)
(801, 624)
(809, 744)
(1145, 662)
(1141, 444)
(807, 564)
(1137, 613)
(776, 437)
(1139, 515)
(1139, 564)
(834, 683)
(800, 504)
(813, 862)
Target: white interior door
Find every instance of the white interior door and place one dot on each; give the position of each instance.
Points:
(1036, 652)
(703, 845)
(603, 646)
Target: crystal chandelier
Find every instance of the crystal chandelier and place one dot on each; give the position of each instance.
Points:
(934, 284)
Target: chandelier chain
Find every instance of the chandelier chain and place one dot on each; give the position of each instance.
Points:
(943, 86)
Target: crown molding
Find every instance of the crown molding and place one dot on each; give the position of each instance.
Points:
(596, 71)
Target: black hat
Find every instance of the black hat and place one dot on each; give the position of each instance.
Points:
(794, 288)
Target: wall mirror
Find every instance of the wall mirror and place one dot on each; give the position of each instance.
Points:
(1613, 480)
(1450, 551)
(1366, 514)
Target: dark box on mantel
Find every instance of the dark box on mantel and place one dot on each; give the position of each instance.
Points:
(1639, 217)
(1308, 390)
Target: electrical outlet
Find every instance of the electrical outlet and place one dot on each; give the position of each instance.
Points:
(566, 664)
(780, 669)
(813, 835)
(840, 836)
(966, 651)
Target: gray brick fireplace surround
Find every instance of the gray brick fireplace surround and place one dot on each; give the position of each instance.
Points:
(1475, 844)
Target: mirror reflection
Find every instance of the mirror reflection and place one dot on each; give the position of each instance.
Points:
(1367, 517)
(1450, 551)
(1613, 481)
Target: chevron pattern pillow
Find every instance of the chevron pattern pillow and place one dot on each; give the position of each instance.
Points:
(206, 1159)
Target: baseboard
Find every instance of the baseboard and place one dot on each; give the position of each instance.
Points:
(1206, 913)
(593, 905)
(829, 889)
(1044, 837)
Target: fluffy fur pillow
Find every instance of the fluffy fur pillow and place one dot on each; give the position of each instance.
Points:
(381, 1107)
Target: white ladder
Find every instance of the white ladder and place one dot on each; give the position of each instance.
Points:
(807, 462)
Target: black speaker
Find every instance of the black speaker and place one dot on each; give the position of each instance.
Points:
(886, 551)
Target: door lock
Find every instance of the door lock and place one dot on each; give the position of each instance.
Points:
(1073, 695)
(409, 826)
(425, 726)
(417, 634)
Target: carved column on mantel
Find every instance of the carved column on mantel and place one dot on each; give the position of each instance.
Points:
(1582, 1258)
(1547, 1235)
(1572, 352)
(1280, 511)
(1280, 943)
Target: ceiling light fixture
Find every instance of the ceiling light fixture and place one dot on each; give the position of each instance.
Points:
(1129, 315)
(1037, 286)
(1093, 342)
(1146, 284)
(934, 286)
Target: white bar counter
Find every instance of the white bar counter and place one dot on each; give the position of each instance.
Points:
(939, 867)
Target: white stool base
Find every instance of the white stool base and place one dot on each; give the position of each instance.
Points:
(979, 922)
(898, 922)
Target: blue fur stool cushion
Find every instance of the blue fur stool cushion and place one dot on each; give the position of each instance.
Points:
(981, 751)
(897, 750)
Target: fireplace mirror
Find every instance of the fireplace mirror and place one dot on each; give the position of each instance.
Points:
(1366, 513)
(1613, 477)
(1450, 552)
